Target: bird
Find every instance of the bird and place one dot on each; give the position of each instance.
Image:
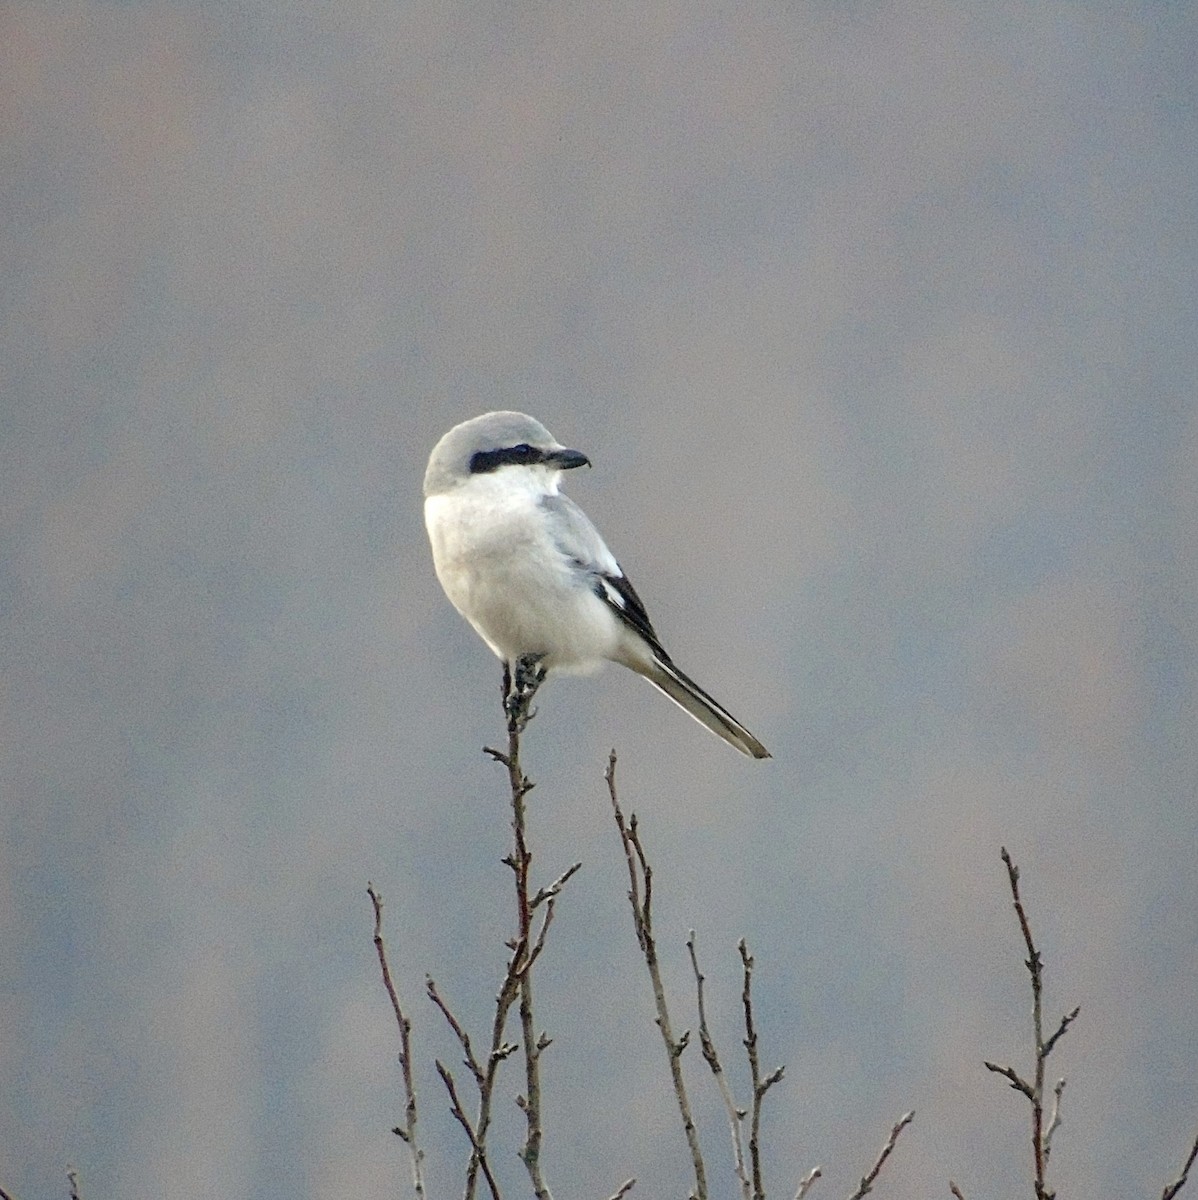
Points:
(529, 571)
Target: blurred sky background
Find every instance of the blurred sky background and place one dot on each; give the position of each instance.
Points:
(878, 323)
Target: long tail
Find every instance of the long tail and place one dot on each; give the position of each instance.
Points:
(691, 698)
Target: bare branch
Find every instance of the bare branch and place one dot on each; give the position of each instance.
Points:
(956, 1191)
(1008, 1073)
(1034, 1091)
(517, 979)
(1180, 1181)
(497, 755)
(1066, 1021)
(406, 1131)
(539, 944)
(735, 1115)
(73, 1180)
(519, 687)
(554, 889)
(640, 896)
(807, 1182)
(5, 1195)
(478, 1146)
(1054, 1120)
(867, 1182)
(623, 1189)
(451, 1020)
(499, 1050)
(760, 1085)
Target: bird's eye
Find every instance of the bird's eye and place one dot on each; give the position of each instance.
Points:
(484, 461)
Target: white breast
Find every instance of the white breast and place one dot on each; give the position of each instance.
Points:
(504, 574)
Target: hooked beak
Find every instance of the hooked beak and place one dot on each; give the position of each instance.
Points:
(567, 460)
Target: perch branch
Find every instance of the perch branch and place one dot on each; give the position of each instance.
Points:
(520, 684)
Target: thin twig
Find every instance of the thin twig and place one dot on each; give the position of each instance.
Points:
(430, 987)
(1034, 1090)
(1011, 1075)
(1066, 1021)
(640, 896)
(484, 1077)
(5, 1195)
(760, 1085)
(735, 1115)
(554, 889)
(459, 1114)
(1054, 1119)
(867, 1182)
(623, 1189)
(808, 1180)
(73, 1180)
(1180, 1181)
(406, 1131)
(539, 944)
(956, 1191)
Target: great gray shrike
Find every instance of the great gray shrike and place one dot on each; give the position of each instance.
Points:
(525, 566)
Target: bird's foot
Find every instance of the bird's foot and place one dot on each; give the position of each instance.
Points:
(521, 681)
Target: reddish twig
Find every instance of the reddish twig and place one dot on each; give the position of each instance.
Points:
(519, 688)
(523, 951)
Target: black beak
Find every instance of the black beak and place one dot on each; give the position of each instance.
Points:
(567, 460)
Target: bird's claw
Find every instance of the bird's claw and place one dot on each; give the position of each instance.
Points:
(521, 686)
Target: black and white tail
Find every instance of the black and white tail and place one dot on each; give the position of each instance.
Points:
(690, 697)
